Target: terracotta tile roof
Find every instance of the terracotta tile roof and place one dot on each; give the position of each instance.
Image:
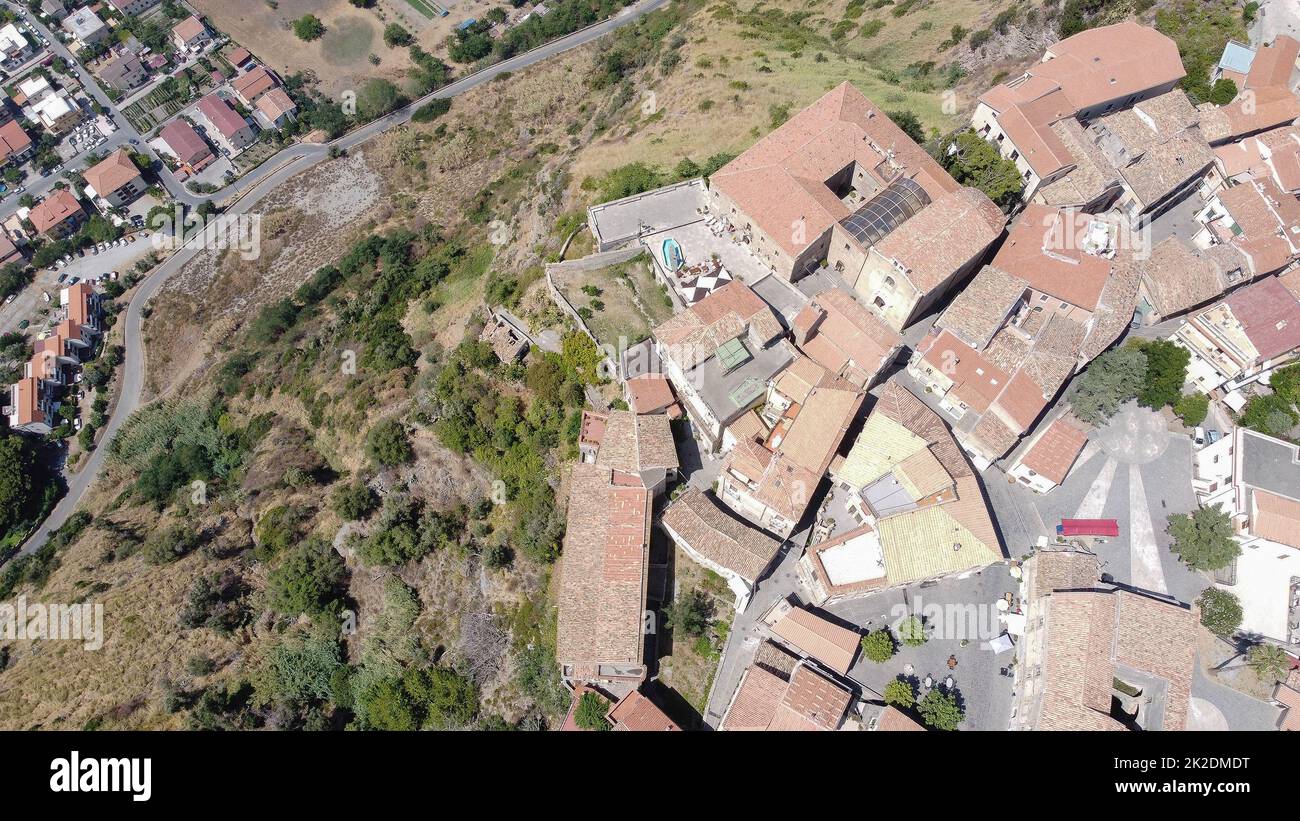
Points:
(111, 173)
(53, 210)
(603, 571)
(1179, 278)
(823, 640)
(1254, 110)
(1090, 181)
(1289, 698)
(1270, 316)
(701, 523)
(811, 702)
(78, 302)
(748, 426)
(894, 720)
(779, 482)
(819, 428)
(976, 380)
(239, 56)
(184, 141)
(253, 83)
(1029, 127)
(948, 233)
(1090, 635)
(1274, 63)
(1118, 301)
(1155, 146)
(189, 28)
(1267, 223)
(799, 378)
(635, 443)
(1276, 518)
(650, 393)
(275, 104)
(27, 407)
(977, 313)
(846, 338)
(756, 700)
(780, 180)
(13, 140)
(1041, 249)
(1111, 62)
(721, 316)
(637, 713)
(1053, 454)
(223, 118)
(1056, 569)
(1291, 279)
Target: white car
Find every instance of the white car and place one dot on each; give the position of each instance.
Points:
(1198, 437)
(10, 298)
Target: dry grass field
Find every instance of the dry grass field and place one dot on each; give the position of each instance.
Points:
(339, 60)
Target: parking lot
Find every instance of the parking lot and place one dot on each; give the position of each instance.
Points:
(30, 304)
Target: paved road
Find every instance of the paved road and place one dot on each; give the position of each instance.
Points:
(125, 131)
(254, 187)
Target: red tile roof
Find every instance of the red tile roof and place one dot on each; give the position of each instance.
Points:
(13, 140)
(781, 180)
(224, 118)
(111, 173)
(1040, 250)
(1054, 453)
(1270, 315)
(185, 141)
(637, 713)
(54, 210)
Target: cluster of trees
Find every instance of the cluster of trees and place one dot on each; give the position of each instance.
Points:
(939, 709)
(1276, 413)
(1204, 539)
(978, 164)
(1153, 372)
(167, 445)
(637, 177)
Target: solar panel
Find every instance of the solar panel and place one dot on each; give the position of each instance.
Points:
(900, 201)
(732, 354)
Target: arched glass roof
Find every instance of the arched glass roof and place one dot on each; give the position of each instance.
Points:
(880, 215)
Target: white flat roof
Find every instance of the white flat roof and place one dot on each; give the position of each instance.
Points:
(1264, 572)
(859, 559)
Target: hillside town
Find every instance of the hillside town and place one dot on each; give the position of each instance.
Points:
(868, 416)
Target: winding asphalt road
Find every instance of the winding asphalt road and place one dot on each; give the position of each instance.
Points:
(250, 190)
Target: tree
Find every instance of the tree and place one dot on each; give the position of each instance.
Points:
(396, 36)
(309, 579)
(378, 97)
(978, 164)
(308, 27)
(912, 632)
(878, 645)
(1111, 380)
(692, 614)
(1270, 414)
(17, 463)
(1270, 662)
(1285, 382)
(940, 710)
(591, 712)
(353, 500)
(900, 694)
(1204, 539)
(1166, 372)
(387, 443)
(909, 122)
(168, 545)
(1192, 408)
(1220, 611)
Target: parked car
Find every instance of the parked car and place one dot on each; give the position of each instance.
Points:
(74, 280)
(63, 278)
(1213, 435)
(45, 295)
(1198, 436)
(10, 298)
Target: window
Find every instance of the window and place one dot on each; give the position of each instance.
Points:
(889, 282)
(879, 303)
